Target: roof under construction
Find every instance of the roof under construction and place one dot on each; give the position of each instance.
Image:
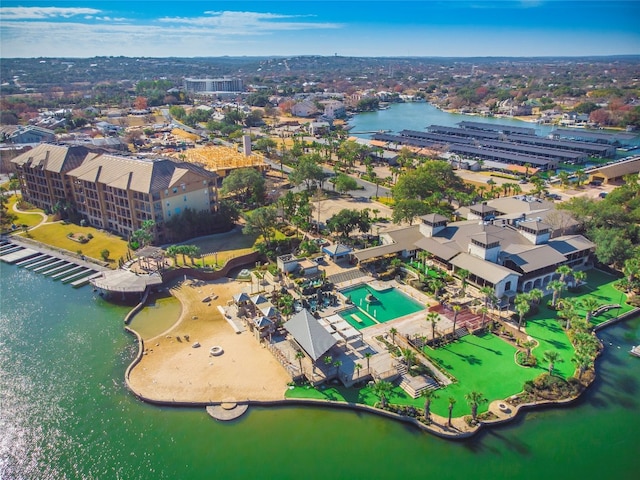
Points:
(220, 159)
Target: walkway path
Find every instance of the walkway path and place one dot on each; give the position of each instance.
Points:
(44, 216)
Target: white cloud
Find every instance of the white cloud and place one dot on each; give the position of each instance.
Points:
(42, 13)
(246, 22)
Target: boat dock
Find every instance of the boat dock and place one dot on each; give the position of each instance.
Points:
(52, 264)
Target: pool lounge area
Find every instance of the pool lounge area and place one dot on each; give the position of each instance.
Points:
(371, 306)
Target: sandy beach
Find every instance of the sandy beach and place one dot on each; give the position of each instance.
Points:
(172, 370)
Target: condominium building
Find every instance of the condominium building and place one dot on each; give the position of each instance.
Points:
(119, 193)
(42, 173)
(113, 192)
(213, 85)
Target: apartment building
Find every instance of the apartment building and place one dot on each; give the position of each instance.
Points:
(119, 193)
(113, 192)
(213, 85)
(42, 173)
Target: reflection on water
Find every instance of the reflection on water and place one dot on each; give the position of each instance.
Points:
(66, 414)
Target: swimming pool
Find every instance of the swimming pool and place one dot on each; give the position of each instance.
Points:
(387, 305)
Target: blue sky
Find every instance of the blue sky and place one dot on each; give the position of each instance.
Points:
(456, 28)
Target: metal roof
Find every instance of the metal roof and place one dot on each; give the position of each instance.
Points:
(500, 155)
(481, 268)
(497, 127)
(309, 334)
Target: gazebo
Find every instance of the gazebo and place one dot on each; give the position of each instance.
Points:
(337, 251)
(312, 337)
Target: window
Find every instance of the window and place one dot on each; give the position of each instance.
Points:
(175, 189)
(507, 286)
(185, 198)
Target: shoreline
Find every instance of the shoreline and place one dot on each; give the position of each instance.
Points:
(144, 385)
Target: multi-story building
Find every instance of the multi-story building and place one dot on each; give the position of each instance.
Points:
(42, 173)
(113, 192)
(119, 193)
(213, 85)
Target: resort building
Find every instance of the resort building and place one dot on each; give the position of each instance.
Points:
(119, 193)
(116, 193)
(42, 173)
(506, 245)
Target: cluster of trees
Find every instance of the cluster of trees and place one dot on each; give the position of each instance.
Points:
(246, 185)
(190, 223)
(424, 190)
(346, 221)
(611, 223)
(6, 217)
(153, 91)
(191, 251)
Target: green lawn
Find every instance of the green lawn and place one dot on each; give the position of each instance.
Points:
(55, 234)
(600, 286)
(28, 219)
(486, 363)
(483, 363)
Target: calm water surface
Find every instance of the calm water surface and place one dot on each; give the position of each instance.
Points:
(418, 116)
(66, 414)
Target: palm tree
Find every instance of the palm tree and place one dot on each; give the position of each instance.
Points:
(456, 310)
(192, 251)
(463, 275)
(567, 311)
(579, 277)
(522, 307)
(487, 294)
(357, 367)
(428, 396)
(557, 286)
(535, 295)
(382, 388)
(409, 357)
(393, 332)
(473, 400)
(437, 286)
(564, 271)
(300, 356)
(368, 356)
(552, 357)
(173, 252)
(586, 343)
(452, 402)
(590, 304)
(583, 362)
(528, 345)
(328, 360)
(337, 364)
(422, 255)
(434, 318)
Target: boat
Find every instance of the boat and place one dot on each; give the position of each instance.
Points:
(635, 351)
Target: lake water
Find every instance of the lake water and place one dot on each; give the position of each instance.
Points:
(65, 413)
(419, 115)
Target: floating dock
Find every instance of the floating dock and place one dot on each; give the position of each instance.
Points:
(51, 263)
